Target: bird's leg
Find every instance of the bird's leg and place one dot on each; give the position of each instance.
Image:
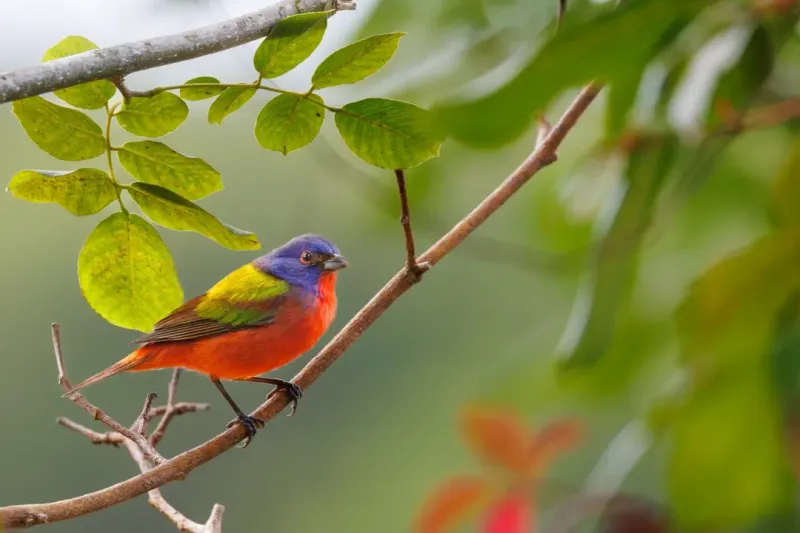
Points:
(294, 391)
(250, 423)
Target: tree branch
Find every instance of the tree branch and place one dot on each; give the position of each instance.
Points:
(414, 268)
(171, 409)
(135, 450)
(115, 62)
(179, 466)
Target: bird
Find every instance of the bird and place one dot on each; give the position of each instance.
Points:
(258, 318)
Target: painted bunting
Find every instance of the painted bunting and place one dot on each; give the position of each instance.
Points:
(258, 318)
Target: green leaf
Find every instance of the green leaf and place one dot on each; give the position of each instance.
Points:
(388, 133)
(85, 191)
(786, 191)
(355, 62)
(607, 47)
(126, 273)
(668, 87)
(175, 212)
(91, 95)
(156, 163)
(621, 99)
(200, 93)
(64, 133)
(289, 43)
(154, 116)
(786, 355)
(622, 226)
(289, 122)
(738, 86)
(728, 465)
(229, 101)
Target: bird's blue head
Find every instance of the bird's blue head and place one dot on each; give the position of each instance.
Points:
(303, 261)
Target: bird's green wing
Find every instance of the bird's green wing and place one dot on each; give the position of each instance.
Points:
(247, 297)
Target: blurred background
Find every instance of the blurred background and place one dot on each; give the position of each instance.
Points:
(692, 410)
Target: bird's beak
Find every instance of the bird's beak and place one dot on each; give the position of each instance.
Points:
(336, 262)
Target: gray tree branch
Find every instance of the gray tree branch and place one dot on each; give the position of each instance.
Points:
(118, 61)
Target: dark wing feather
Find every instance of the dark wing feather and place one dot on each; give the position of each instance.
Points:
(184, 324)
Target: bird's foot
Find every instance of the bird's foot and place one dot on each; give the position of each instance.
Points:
(294, 392)
(251, 424)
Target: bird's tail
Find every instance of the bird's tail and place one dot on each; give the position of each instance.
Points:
(133, 360)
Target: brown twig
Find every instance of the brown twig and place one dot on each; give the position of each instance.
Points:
(95, 412)
(139, 426)
(170, 411)
(136, 451)
(181, 465)
(180, 409)
(415, 269)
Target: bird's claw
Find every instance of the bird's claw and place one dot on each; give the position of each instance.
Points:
(251, 424)
(294, 391)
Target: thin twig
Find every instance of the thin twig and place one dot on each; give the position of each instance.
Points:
(170, 411)
(140, 424)
(181, 408)
(95, 412)
(414, 268)
(181, 465)
(95, 437)
(121, 60)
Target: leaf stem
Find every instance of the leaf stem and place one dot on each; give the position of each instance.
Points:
(256, 85)
(110, 112)
(159, 90)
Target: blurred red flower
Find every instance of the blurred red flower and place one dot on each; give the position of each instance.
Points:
(505, 503)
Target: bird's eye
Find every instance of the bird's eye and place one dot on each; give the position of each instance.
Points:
(306, 257)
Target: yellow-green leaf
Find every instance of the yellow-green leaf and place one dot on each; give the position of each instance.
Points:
(729, 427)
(289, 122)
(60, 131)
(85, 191)
(156, 163)
(356, 61)
(229, 101)
(154, 116)
(289, 43)
(173, 211)
(388, 133)
(126, 273)
(91, 95)
(200, 93)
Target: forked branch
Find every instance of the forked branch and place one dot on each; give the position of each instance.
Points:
(136, 441)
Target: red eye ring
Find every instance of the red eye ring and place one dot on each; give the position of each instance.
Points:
(306, 257)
